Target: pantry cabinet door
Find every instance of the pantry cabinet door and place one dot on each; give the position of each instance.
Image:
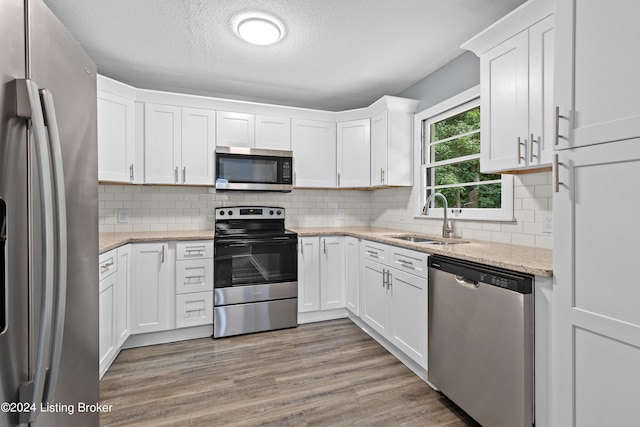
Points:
(596, 71)
(198, 146)
(162, 143)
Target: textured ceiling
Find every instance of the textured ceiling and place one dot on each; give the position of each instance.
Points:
(337, 54)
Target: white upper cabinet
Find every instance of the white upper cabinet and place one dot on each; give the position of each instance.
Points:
(235, 129)
(596, 74)
(354, 148)
(314, 152)
(516, 95)
(392, 143)
(273, 132)
(198, 146)
(179, 145)
(162, 143)
(116, 132)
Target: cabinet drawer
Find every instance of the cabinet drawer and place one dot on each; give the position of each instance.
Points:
(194, 309)
(194, 276)
(107, 264)
(194, 250)
(374, 251)
(410, 261)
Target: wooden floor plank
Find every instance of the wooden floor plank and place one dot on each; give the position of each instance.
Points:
(320, 374)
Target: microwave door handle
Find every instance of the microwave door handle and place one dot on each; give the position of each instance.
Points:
(29, 107)
(60, 206)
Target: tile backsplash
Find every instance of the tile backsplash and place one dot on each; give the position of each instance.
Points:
(168, 208)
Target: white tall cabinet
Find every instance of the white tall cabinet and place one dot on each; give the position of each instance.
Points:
(595, 317)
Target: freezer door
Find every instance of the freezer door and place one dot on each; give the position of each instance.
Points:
(14, 369)
(59, 65)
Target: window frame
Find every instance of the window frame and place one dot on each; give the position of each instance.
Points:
(464, 101)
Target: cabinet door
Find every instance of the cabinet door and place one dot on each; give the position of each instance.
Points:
(194, 276)
(198, 146)
(374, 296)
(309, 274)
(162, 143)
(539, 150)
(352, 274)
(273, 132)
(354, 145)
(379, 138)
(194, 309)
(123, 309)
(408, 314)
(235, 129)
(596, 71)
(152, 293)
(504, 103)
(116, 138)
(107, 330)
(595, 317)
(314, 152)
(332, 273)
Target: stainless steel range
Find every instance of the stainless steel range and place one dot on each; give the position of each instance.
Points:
(255, 271)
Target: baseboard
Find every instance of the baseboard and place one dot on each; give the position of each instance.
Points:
(321, 316)
(163, 337)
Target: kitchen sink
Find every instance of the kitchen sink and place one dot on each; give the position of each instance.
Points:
(426, 240)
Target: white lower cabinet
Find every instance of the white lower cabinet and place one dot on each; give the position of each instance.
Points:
(194, 284)
(114, 325)
(394, 301)
(152, 287)
(321, 273)
(352, 274)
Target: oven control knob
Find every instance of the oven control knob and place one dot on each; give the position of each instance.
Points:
(279, 212)
(230, 212)
(221, 213)
(270, 212)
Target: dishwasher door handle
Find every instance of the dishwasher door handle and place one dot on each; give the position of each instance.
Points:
(467, 283)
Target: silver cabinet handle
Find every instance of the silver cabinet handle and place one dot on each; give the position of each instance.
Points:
(556, 169)
(557, 135)
(389, 279)
(301, 247)
(338, 179)
(29, 106)
(405, 263)
(531, 142)
(162, 259)
(324, 246)
(520, 151)
(384, 277)
(60, 205)
(176, 174)
(106, 266)
(184, 174)
(294, 178)
(373, 253)
(131, 175)
(381, 176)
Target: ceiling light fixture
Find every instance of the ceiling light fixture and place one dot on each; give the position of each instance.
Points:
(260, 30)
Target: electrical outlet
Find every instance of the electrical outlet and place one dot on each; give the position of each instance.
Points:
(547, 223)
(123, 216)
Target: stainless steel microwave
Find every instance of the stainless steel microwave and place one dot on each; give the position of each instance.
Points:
(254, 169)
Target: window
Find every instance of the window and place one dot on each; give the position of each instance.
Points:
(450, 148)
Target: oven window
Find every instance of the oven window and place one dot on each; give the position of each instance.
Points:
(248, 169)
(255, 263)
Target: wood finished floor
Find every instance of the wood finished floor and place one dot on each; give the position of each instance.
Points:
(320, 374)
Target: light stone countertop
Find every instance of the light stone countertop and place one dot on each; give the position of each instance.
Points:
(523, 259)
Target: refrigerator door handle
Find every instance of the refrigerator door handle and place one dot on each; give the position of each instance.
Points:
(29, 106)
(60, 206)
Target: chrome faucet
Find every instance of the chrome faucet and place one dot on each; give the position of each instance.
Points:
(447, 226)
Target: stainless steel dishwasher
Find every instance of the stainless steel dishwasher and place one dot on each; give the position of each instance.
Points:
(481, 340)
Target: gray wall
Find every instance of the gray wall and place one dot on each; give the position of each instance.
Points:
(451, 79)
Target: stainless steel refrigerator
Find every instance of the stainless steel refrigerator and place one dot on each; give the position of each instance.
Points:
(48, 212)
